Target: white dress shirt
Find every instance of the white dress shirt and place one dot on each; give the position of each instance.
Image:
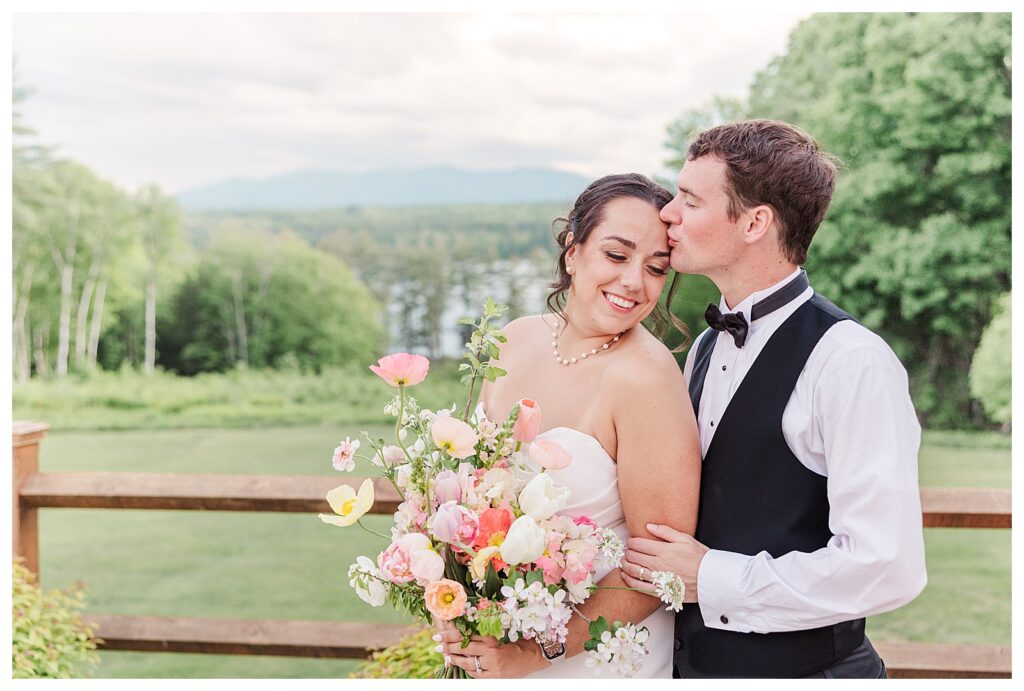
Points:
(851, 420)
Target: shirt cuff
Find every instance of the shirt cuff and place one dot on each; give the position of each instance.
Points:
(719, 592)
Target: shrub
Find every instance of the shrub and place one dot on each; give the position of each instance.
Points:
(49, 638)
(990, 367)
(413, 657)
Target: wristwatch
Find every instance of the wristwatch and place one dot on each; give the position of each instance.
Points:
(552, 651)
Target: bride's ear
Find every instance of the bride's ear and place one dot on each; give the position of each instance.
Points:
(570, 254)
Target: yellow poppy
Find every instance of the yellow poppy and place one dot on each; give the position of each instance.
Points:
(347, 504)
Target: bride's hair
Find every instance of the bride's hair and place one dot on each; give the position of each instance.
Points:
(585, 215)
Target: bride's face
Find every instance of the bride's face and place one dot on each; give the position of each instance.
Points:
(619, 272)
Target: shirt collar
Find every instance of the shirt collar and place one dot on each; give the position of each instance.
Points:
(748, 302)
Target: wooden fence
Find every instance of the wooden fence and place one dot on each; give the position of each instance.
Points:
(33, 490)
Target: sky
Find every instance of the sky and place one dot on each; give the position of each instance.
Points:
(184, 100)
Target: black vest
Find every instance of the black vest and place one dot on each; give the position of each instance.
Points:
(756, 496)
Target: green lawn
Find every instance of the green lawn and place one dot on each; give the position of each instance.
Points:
(293, 566)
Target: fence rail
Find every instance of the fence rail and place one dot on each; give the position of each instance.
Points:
(32, 490)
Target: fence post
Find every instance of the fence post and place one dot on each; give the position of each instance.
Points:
(25, 462)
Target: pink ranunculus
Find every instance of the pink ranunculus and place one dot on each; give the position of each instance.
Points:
(550, 455)
(453, 436)
(584, 520)
(427, 566)
(402, 369)
(445, 599)
(528, 423)
(553, 563)
(394, 564)
(454, 524)
(411, 557)
(446, 487)
(579, 559)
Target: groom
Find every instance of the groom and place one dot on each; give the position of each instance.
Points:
(810, 516)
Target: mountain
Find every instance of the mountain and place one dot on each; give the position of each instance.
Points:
(322, 189)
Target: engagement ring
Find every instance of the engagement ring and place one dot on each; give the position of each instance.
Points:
(476, 661)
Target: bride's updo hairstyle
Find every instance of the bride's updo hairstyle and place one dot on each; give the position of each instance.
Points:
(586, 214)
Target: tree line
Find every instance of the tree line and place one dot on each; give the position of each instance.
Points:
(103, 277)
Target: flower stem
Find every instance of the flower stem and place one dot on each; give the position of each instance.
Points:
(359, 522)
(398, 422)
(619, 587)
(469, 401)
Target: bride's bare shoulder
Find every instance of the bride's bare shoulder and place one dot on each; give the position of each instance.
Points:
(644, 363)
(526, 331)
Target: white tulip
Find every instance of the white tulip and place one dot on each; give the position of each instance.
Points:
(524, 542)
(542, 498)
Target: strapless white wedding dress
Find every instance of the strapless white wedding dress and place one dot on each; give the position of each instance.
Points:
(594, 488)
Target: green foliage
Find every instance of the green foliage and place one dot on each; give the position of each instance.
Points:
(413, 657)
(49, 639)
(991, 368)
(262, 300)
(689, 304)
(917, 242)
(483, 345)
(237, 398)
(691, 123)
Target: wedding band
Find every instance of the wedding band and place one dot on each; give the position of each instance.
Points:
(642, 569)
(476, 661)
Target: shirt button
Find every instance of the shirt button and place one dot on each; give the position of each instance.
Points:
(712, 423)
(723, 368)
(724, 619)
(678, 644)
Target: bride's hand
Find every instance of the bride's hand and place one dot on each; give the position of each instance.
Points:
(496, 661)
(675, 551)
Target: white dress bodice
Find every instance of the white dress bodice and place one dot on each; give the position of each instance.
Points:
(593, 483)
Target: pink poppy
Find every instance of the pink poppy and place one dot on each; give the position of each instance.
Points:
(402, 369)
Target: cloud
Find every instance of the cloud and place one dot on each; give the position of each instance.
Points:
(188, 99)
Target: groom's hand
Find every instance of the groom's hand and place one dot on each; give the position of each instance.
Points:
(673, 551)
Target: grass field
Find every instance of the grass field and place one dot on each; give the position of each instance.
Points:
(293, 566)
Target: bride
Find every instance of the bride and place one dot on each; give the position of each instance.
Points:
(614, 397)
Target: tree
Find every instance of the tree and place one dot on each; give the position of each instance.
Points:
(159, 219)
(917, 241)
(261, 300)
(991, 368)
(81, 205)
(32, 189)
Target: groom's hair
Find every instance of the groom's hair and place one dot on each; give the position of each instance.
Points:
(777, 164)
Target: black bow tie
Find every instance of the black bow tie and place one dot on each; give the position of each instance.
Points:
(736, 324)
(733, 322)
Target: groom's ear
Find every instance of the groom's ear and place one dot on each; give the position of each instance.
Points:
(758, 222)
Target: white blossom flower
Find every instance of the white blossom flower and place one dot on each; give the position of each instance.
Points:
(620, 652)
(670, 588)
(365, 579)
(610, 549)
(533, 612)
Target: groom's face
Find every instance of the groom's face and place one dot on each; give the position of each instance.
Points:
(703, 238)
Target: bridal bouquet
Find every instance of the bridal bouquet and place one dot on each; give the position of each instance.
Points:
(479, 538)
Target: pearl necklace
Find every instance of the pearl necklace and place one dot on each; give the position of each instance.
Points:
(583, 356)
